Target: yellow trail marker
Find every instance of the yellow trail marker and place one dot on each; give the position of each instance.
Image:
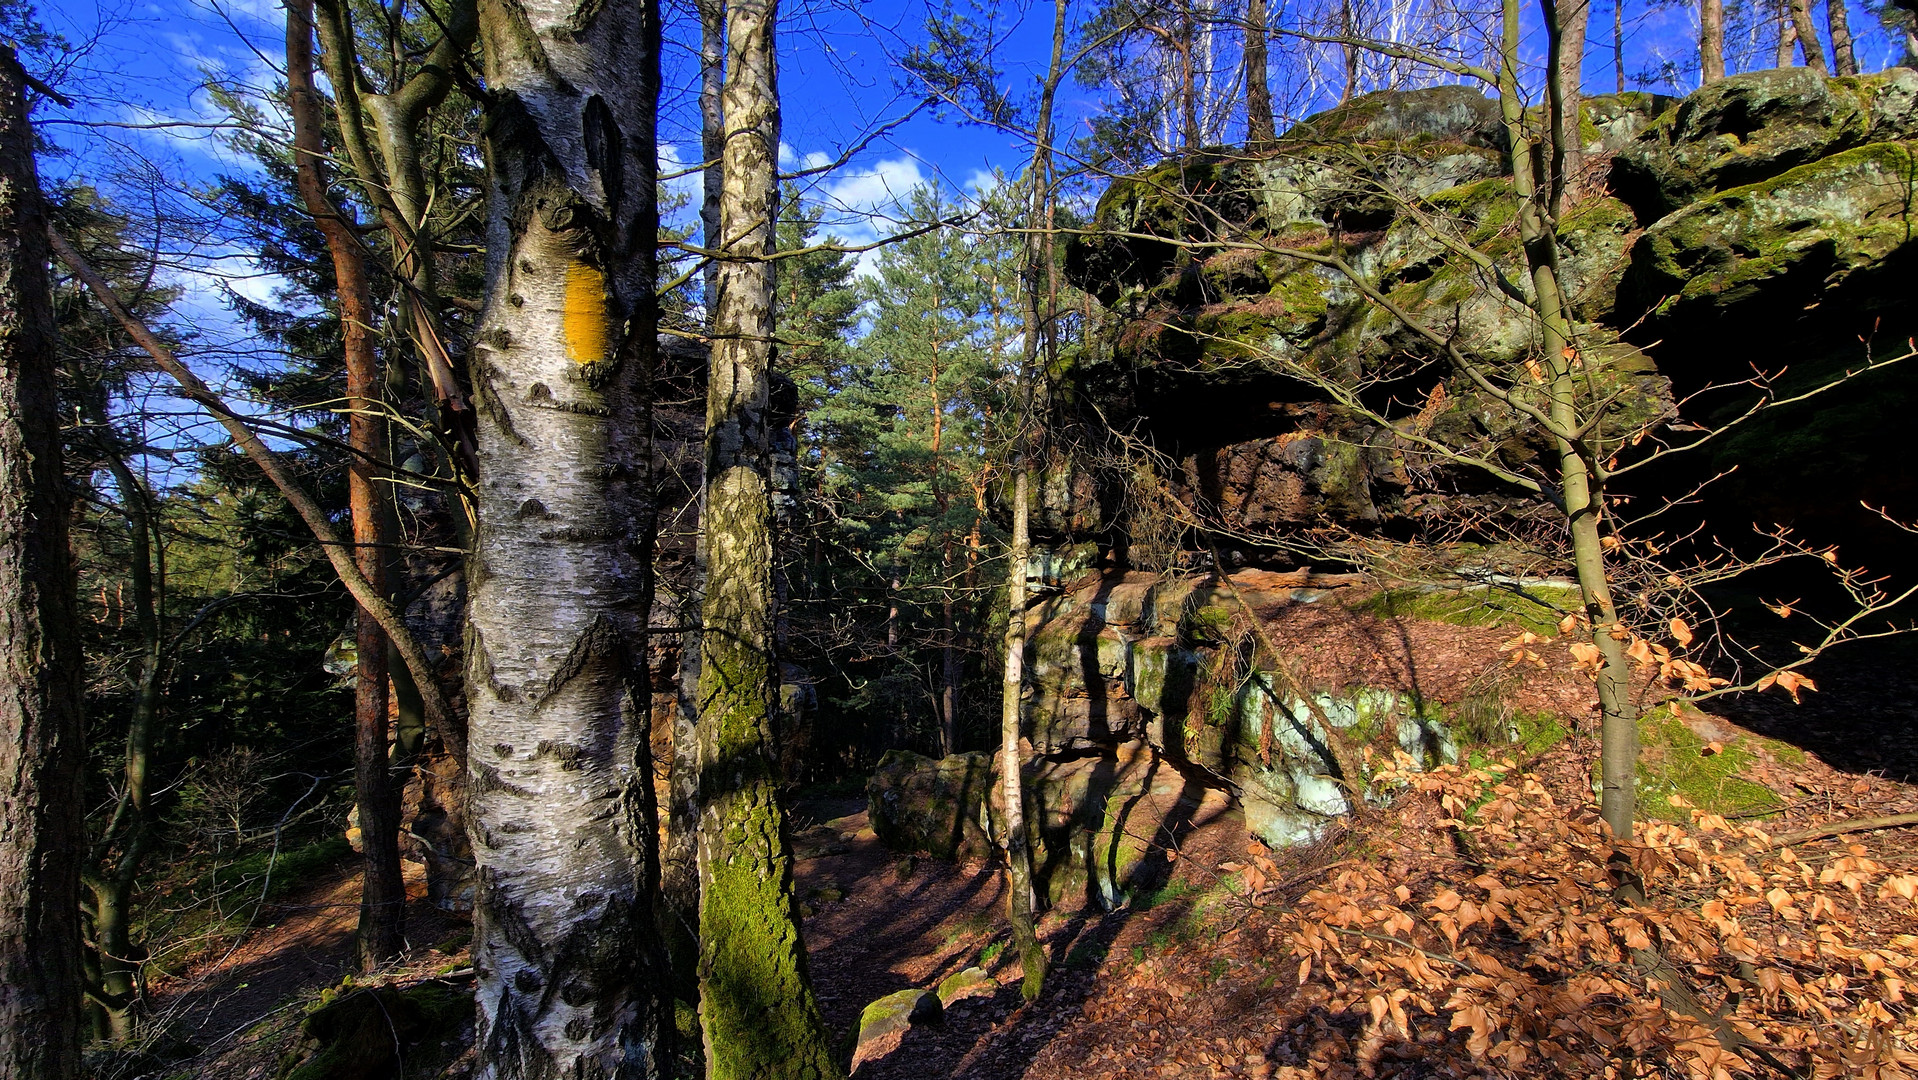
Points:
(585, 314)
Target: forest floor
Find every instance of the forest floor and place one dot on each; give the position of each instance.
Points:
(240, 1011)
(1187, 982)
(1192, 979)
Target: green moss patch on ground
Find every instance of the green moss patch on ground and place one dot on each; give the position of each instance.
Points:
(1537, 608)
(1675, 760)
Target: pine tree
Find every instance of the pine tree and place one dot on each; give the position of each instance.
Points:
(41, 753)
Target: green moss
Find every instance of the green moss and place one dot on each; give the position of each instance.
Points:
(759, 1015)
(1537, 609)
(1488, 205)
(1673, 760)
(1205, 625)
(1598, 215)
(1540, 731)
(1721, 248)
(286, 870)
(358, 1034)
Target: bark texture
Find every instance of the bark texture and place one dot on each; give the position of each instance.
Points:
(41, 754)
(559, 771)
(1839, 21)
(1019, 894)
(113, 867)
(1570, 20)
(1581, 491)
(1259, 126)
(756, 1006)
(1711, 40)
(382, 926)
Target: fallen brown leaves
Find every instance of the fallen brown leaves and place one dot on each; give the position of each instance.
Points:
(1528, 961)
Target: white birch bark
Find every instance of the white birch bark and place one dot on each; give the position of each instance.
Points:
(558, 769)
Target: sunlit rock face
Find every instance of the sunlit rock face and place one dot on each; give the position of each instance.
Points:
(1763, 222)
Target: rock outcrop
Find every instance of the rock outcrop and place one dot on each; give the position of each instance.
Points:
(1763, 222)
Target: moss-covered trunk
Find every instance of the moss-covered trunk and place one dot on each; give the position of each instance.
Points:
(757, 1012)
(559, 772)
(41, 754)
(113, 866)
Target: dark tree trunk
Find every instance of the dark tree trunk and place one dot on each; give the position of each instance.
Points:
(1711, 40)
(41, 755)
(1259, 127)
(1841, 49)
(113, 868)
(1569, 21)
(1807, 35)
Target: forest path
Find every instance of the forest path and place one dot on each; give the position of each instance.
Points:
(881, 922)
(239, 1009)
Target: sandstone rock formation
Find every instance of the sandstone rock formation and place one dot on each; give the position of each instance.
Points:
(1764, 222)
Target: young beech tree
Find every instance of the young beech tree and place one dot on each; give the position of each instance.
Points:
(41, 755)
(563, 824)
(756, 1007)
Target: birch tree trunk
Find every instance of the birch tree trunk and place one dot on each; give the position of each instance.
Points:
(679, 920)
(41, 755)
(1711, 41)
(757, 1012)
(1035, 278)
(559, 772)
(1019, 894)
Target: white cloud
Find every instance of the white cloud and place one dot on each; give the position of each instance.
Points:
(864, 204)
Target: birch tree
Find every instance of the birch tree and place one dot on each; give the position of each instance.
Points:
(41, 755)
(757, 1012)
(560, 783)
(1041, 287)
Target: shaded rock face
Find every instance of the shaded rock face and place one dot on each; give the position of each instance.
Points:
(1098, 820)
(1765, 220)
(1135, 737)
(383, 1033)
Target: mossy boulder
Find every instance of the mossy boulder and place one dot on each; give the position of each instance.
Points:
(1097, 823)
(1762, 220)
(1689, 760)
(919, 804)
(1754, 126)
(971, 982)
(1810, 234)
(381, 1033)
(884, 1023)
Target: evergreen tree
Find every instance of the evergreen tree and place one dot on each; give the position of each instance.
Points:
(910, 430)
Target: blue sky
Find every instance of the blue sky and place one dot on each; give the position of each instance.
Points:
(146, 62)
